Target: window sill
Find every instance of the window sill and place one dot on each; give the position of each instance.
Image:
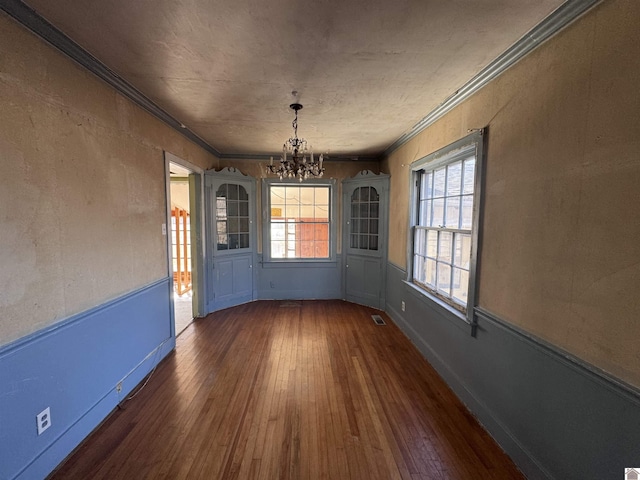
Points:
(457, 317)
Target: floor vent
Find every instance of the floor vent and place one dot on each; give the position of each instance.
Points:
(290, 304)
(377, 319)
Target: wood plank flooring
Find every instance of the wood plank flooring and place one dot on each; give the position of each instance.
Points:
(291, 390)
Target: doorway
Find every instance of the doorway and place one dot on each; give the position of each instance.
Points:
(184, 226)
(181, 248)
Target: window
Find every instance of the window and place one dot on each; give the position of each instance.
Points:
(299, 221)
(232, 217)
(445, 222)
(365, 210)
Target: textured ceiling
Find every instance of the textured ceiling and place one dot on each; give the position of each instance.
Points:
(366, 71)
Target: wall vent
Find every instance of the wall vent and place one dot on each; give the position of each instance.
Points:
(377, 319)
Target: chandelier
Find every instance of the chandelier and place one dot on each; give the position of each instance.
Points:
(294, 162)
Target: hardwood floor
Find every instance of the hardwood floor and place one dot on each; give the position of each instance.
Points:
(292, 390)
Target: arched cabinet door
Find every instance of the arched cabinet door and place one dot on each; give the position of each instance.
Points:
(364, 241)
(231, 238)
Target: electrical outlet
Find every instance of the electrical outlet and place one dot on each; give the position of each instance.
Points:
(43, 420)
(402, 305)
(119, 387)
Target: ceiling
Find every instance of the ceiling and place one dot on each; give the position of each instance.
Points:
(366, 71)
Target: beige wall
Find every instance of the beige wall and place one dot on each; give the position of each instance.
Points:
(82, 187)
(82, 192)
(561, 236)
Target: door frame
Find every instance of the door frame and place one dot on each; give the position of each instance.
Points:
(198, 233)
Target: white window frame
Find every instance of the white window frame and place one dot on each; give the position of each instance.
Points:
(472, 144)
(266, 219)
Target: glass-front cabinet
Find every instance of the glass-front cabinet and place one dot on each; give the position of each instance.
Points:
(231, 238)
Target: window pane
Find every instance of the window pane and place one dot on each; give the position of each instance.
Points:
(292, 195)
(427, 185)
(322, 249)
(292, 211)
(277, 231)
(321, 213)
(374, 210)
(439, 182)
(467, 212)
(221, 205)
(355, 210)
(425, 213)
(374, 196)
(242, 193)
(469, 175)
(243, 209)
(307, 213)
(437, 218)
(419, 241)
(373, 242)
(244, 240)
(233, 241)
(278, 248)
(454, 179)
(306, 249)
(419, 269)
(232, 192)
(321, 195)
(322, 232)
(373, 226)
(430, 273)
(222, 190)
(452, 211)
(445, 240)
(277, 195)
(444, 278)
(460, 286)
(307, 196)
(354, 241)
(462, 250)
(364, 210)
(432, 243)
(232, 208)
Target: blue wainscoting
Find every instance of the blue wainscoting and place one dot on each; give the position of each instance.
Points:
(556, 417)
(73, 367)
(300, 280)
